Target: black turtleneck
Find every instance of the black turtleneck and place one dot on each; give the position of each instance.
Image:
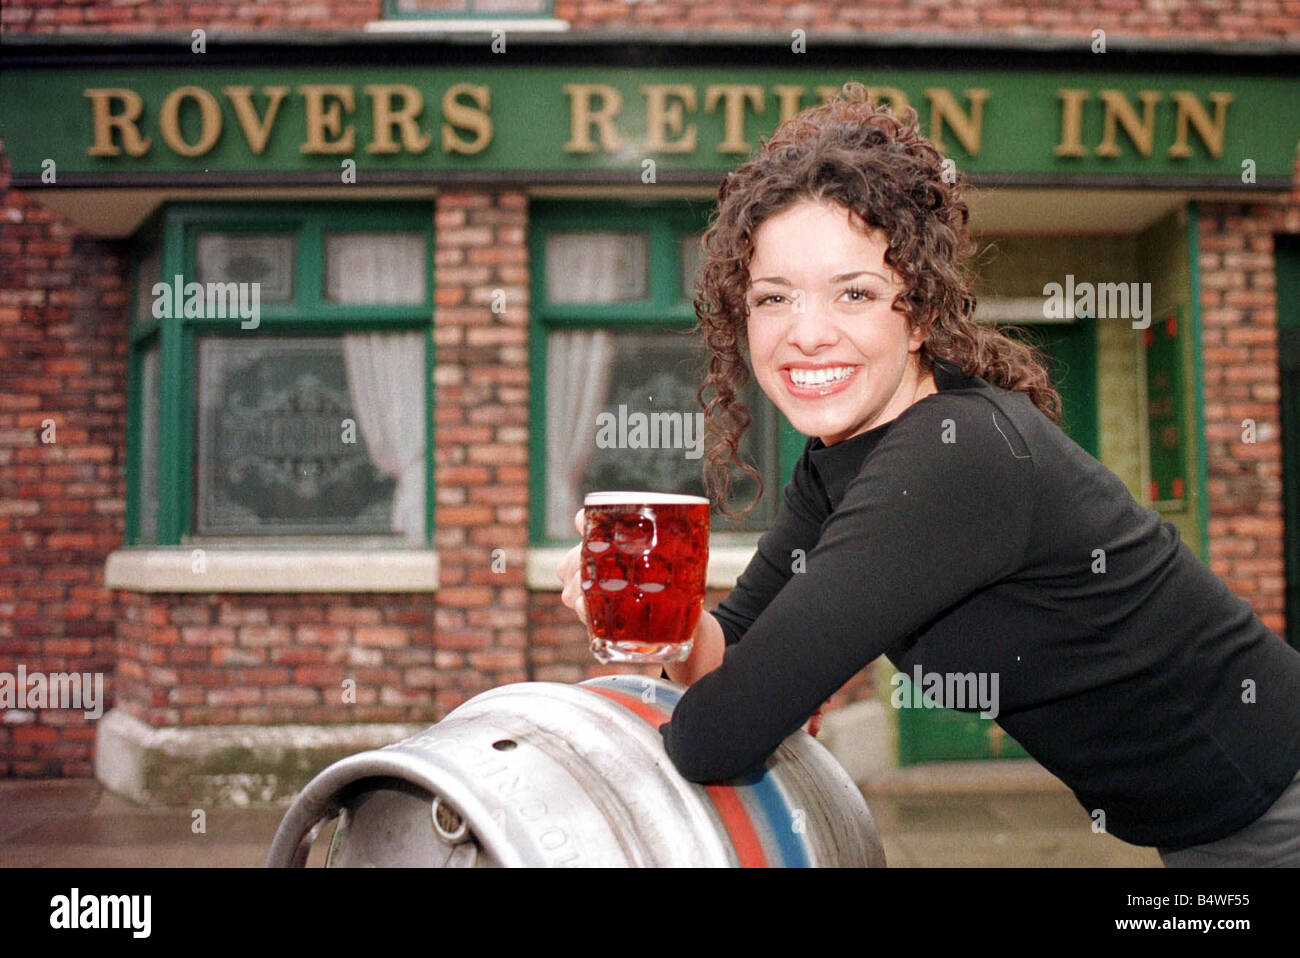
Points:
(971, 535)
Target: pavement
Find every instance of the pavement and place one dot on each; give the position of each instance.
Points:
(962, 814)
(989, 814)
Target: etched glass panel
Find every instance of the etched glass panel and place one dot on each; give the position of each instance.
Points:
(283, 448)
(622, 414)
(264, 258)
(597, 267)
(375, 268)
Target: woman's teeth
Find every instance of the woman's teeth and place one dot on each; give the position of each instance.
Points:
(820, 377)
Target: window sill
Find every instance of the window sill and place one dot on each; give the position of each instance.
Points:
(172, 569)
(486, 23)
(726, 561)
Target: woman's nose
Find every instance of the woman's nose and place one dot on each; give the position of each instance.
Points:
(810, 327)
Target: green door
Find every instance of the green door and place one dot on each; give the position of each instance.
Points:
(934, 734)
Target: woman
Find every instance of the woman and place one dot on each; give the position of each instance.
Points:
(940, 516)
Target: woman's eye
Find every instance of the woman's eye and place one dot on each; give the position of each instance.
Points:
(855, 294)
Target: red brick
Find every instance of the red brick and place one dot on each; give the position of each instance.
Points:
(298, 655)
(239, 695)
(292, 696)
(465, 596)
(208, 635)
(465, 639)
(34, 734)
(497, 659)
(381, 637)
(264, 676)
(464, 515)
(331, 675)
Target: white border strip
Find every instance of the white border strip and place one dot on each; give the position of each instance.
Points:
(177, 569)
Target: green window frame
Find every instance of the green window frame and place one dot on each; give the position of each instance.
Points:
(173, 231)
(663, 307)
(392, 11)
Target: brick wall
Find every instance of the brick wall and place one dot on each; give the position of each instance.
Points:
(1240, 361)
(62, 360)
(208, 659)
(481, 438)
(1216, 20)
(1205, 19)
(182, 16)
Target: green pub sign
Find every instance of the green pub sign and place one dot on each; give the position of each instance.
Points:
(136, 124)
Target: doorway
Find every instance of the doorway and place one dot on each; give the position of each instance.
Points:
(936, 734)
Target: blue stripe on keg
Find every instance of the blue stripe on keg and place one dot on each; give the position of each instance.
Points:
(760, 793)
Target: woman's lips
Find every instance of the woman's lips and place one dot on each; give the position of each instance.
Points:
(816, 391)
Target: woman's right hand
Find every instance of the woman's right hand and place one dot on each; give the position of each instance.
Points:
(570, 572)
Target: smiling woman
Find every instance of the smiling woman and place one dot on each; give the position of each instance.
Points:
(835, 355)
(941, 517)
(854, 231)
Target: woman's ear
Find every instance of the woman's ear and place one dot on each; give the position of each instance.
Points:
(916, 337)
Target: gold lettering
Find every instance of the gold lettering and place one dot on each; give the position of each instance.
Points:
(788, 97)
(169, 123)
(385, 116)
(467, 118)
(1211, 134)
(733, 96)
(1141, 132)
(967, 128)
(663, 118)
(582, 116)
(322, 121)
(256, 130)
(105, 121)
(1071, 122)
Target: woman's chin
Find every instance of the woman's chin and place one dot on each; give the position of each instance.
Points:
(823, 427)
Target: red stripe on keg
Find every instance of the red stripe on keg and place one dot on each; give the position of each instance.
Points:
(749, 848)
(647, 712)
(735, 817)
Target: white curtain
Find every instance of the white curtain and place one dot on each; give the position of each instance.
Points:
(584, 266)
(578, 367)
(375, 268)
(386, 370)
(596, 267)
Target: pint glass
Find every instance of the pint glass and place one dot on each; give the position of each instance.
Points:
(644, 559)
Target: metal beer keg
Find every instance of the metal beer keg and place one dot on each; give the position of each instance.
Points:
(545, 774)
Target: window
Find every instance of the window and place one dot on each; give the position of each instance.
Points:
(281, 375)
(616, 368)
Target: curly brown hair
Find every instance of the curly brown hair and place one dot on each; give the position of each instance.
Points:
(855, 154)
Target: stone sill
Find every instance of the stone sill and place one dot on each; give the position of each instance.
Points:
(170, 569)
(484, 24)
(726, 561)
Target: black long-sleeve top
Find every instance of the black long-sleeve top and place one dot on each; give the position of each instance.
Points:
(963, 537)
